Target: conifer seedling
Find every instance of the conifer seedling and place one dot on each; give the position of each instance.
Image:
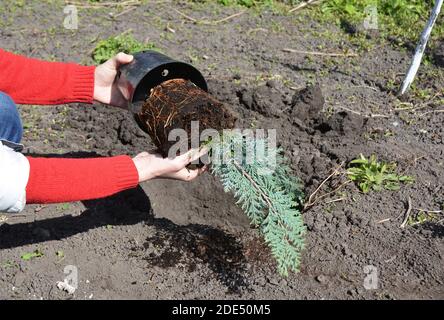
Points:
(269, 196)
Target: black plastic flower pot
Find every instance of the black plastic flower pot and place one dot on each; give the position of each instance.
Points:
(148, 70)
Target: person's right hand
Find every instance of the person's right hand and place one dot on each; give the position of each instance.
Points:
(105, 85)
(151, 166)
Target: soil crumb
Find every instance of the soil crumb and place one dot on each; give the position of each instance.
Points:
(308, 103)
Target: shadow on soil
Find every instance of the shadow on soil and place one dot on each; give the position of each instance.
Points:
(175, 244)
(436, 229)
(188, 245)
(125, 208)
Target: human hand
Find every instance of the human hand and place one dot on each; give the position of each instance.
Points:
(151, 166)
(105, 87)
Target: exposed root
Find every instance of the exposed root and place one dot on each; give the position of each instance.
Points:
(175, 104)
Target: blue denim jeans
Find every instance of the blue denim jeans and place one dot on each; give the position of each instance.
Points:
(11, 129)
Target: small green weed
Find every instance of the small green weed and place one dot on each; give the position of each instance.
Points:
(60, 256)
(422, 217)
(125, 42)
(404, 19)
(369, 174)
(31, 255)
(8, 264)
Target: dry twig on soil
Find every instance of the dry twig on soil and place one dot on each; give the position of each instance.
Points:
(99, 5)
(371, 115)
(304, 4)
(312, 200)
(407, 213)
(124, 12)
(429, 112)
(254, 30)
(318, 53)
(428, 211)
(207, 21)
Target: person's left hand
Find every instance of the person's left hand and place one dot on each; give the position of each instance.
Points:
(151, 166)
(105, 87)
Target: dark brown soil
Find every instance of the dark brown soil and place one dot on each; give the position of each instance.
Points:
(175, 104)
(438, 54)
(168, 239)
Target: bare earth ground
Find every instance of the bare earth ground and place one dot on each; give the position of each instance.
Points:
(174, 240)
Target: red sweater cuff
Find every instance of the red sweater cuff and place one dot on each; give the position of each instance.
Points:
(53, 180)
(82, 78)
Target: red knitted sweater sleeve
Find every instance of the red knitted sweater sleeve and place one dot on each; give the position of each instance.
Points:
(32, 81)
(51, 180)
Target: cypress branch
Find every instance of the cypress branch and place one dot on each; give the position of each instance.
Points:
(270, 198)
